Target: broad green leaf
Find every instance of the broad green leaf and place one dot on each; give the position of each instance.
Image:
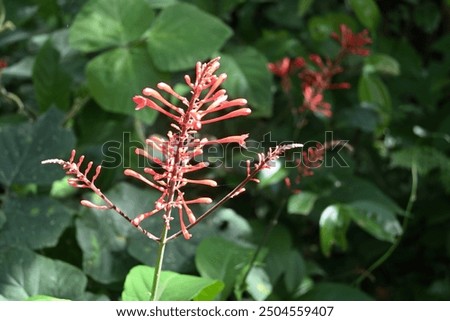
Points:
(103, 235)
(376, 220)
(334, 222)
(425, 158)
(221, 259)
(258, 284)
(106, 74)
(364, 117)
(367, 12)
(427, 16)
(41, 297)
(34, 222)
(182, 34)
(373, 90)
(217, 8)
(381, 63)
(102, 24)
(172, 287)
(24, 146)
(295, 270)
(301, 203)
(51, 82)
(355, 189)
(249, 78)
(24, 274)
(328, 291)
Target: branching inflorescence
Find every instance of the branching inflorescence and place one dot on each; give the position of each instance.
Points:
(175, 155)
(318, 78)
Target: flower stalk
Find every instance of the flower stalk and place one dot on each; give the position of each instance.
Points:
(174, 156)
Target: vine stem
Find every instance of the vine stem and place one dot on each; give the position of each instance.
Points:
(393, 247)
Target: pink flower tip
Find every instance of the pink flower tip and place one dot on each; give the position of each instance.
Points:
(140, 102)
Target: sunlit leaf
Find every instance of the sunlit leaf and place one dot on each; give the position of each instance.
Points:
(103, 24)
(182, 34)
(172, 287)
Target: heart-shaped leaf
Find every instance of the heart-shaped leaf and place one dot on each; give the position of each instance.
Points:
(172, 286)
(24, 274)
(24, 146)
(105, 75)
(110, 23)
(34, 222)
(182, 34)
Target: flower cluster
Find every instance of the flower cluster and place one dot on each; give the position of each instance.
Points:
(175, 155)
(317, 77)
(180, 148)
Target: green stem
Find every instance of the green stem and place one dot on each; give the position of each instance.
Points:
(393, 247)
(157, 275)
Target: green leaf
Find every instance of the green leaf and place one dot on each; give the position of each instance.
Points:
(304, 6)
(182, 34)
(2, 218)
(41, 297)
(220, 8)
(334, 222)
(381, 63)
(26, 218)
(427, 16)
(367, 12)
(249, 78)
(295, 270)
(110, 23)
(425, 158)
(2, 13)
(103, 235)
(24, 146)
(106, 74)
(51, 82)
(272, 175)
(301, 203)
(373, 90)
(329, 291)
(354, 189)
(24, 274)
(258, 284)
(222, 259)
(172, 287)
(376, 220)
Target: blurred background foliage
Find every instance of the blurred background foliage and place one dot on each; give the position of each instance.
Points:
(376, 229)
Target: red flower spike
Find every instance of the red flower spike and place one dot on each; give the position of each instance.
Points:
(351, 42)
(180, 147)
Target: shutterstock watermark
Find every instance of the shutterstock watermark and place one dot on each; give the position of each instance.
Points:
(313, 154)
